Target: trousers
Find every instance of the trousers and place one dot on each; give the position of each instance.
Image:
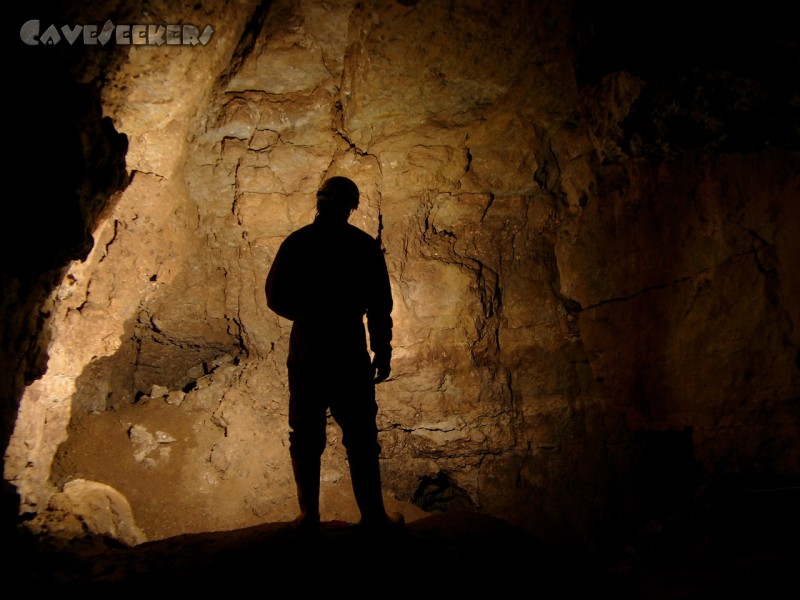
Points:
(351, 401)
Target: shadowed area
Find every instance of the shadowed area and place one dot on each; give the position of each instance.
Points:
(589, 217)
(738, 543)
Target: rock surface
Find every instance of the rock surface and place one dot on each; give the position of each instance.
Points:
(592, 312)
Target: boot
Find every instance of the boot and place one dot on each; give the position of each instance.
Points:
(306, 477)
(366, 478)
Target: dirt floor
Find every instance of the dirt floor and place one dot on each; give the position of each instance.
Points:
(735, 540)
(447, 553)
(175, 487)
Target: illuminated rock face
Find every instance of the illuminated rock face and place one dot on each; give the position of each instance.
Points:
(569, 303)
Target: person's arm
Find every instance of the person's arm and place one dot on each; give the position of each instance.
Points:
(280, 285)
(379, 318)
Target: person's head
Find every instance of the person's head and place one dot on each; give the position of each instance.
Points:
(337, 198)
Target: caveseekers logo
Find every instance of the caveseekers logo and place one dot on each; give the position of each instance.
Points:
(124, 35)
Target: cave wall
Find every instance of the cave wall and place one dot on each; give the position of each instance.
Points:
(582, 292)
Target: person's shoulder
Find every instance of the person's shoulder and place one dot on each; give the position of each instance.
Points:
(360, 235)
(304, 230)
(298, 235)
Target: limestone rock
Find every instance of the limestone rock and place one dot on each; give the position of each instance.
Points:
(100, 509)
(591, 256)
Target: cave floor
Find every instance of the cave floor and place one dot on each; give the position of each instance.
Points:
(445, 553)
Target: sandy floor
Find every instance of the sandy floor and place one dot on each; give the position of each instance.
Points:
(447, 553)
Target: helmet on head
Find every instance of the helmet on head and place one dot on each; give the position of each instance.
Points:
(338, 196)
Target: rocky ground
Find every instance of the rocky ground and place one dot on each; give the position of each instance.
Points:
(741, 545)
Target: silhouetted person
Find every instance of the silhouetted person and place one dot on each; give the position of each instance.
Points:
(326, 277)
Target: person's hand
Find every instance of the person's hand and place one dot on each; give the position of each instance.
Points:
(382, 367)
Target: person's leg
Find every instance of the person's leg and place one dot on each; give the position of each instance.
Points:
(356, 415)
(306, 444)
